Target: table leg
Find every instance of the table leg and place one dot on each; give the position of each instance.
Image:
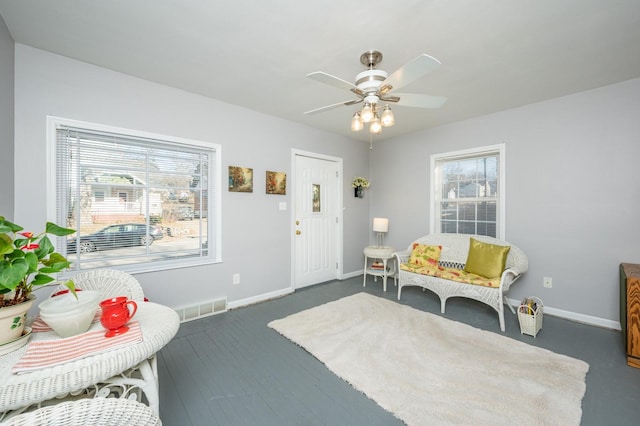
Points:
(364, 281)
(384, 274)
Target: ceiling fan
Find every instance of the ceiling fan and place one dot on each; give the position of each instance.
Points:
(374, 87)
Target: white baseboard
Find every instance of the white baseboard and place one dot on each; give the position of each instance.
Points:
(573, 316)
(260, 298)
(352, 274)
(278, 293)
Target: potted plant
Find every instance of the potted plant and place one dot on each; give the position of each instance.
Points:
(27, 261)
(360, 184)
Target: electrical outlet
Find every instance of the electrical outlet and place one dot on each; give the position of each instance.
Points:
(547, 282)
(236, 279)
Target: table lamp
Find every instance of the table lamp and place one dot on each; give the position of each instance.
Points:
(381, 227)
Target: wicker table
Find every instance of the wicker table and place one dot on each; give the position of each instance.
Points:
(384, 253)
(95, 375)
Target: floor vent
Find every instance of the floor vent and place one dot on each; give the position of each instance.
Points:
(202, 310)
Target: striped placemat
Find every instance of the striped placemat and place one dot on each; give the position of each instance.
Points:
(47, 353)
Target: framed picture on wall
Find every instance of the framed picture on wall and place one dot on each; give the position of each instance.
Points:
(276, 183)
(240, 179)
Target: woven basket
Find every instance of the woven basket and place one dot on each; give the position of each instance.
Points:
(531, 321)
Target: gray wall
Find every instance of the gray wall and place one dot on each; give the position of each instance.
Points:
(255, 233)
(571, 185)
(6, 121)
(572, 195)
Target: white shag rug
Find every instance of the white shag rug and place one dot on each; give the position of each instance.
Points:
(428, 370)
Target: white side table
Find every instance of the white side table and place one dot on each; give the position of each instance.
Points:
(384, 253)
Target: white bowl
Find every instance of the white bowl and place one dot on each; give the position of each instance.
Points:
(70, 312)
(70, 323)
(68, 302)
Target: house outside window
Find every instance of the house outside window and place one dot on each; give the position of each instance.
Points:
(120, 190)
(467, 189)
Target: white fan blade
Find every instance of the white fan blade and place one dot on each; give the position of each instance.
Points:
(331, 80)
(411, 71)
(420, 101)
(328, 107)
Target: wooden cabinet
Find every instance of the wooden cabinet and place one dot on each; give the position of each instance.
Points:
(630, 311)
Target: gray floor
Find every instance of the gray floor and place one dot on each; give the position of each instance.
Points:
(231, 369)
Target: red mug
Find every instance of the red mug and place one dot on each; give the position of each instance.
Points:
(115, 314)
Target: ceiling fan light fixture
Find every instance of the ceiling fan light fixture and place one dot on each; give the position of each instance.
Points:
(375, 88)
(387, 117)
(375, 127)
(356, 122)
(367, 112)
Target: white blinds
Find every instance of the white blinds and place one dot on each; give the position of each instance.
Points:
(133, 200)
(468, 193)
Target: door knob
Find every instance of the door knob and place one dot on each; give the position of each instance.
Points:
(297, 222)
(298, 232)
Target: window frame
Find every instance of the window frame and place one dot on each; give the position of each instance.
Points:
(435, 224)
(214, 202)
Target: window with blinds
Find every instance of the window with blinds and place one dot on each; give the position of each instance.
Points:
(468, 192)
(137, 201)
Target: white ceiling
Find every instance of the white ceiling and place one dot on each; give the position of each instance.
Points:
(495, 54)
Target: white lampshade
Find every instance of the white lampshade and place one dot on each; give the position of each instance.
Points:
(375, 127)
(356, 122)
(367, 112)
(387, 119)
(380, 224)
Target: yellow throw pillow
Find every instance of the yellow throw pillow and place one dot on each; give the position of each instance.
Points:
(424, 255)
(485, 259)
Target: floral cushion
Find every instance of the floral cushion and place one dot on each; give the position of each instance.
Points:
(485, 259)
(452, 274)
(424, 255)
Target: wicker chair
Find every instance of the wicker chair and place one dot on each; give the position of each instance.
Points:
(95, 411)
(112, 283)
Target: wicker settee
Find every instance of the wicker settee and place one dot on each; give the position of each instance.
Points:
(453, 256)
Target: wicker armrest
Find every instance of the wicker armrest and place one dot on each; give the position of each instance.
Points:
(509, 276)
(512, 271)
(402, 256)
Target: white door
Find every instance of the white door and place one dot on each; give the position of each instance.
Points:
(317, 216)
